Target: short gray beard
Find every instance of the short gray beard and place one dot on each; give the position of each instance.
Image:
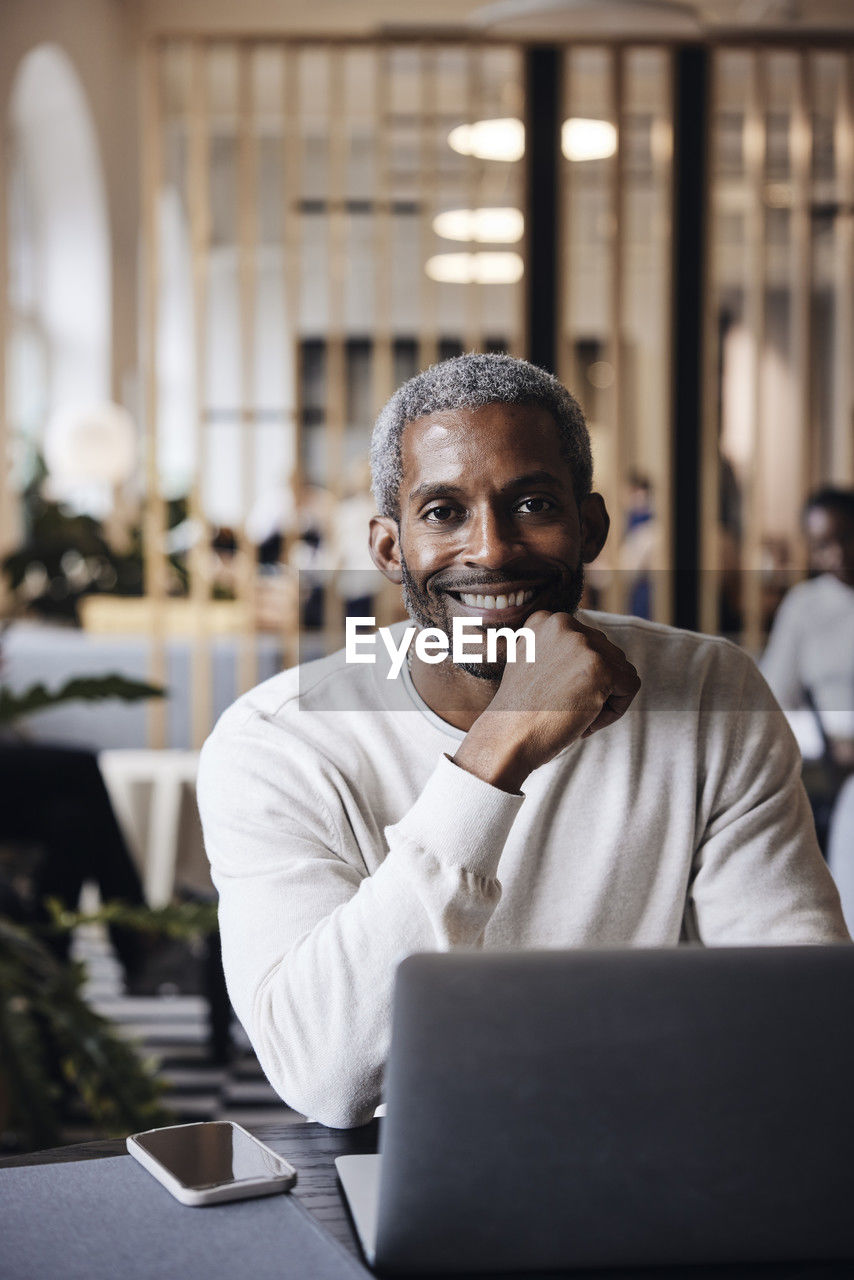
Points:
(492, 671)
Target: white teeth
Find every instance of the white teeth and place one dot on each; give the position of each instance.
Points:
(512, 600)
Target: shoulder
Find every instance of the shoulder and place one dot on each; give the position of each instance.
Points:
(683, 666)
(285, 713)
(658, 641)
(307, 712)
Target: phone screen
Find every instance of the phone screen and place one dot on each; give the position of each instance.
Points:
(205, 1155)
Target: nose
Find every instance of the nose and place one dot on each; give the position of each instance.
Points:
(493, 540)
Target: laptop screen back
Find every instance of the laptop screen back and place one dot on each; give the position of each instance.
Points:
(569, 1109)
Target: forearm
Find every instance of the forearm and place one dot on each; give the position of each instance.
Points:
(310, 952)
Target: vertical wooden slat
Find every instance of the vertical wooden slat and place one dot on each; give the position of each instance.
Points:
(517, 339)
(154, 511)
(800, 150)
(472, 336)
(428, 329)
(336, 373)
(7, 498)
(662, 580)
(710, 548)
(617, 433)
(336, 352)
(842, 449)
(754, 319)
(292, 286)
(247, 224)
(382, 367)
(198, 165)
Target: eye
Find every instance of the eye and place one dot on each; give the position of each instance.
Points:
(439, 514)
(535, 506)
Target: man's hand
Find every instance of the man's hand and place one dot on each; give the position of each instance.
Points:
(579, 683)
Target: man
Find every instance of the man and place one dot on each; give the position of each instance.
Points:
(810, 654)
(635, 784)
(809, 661)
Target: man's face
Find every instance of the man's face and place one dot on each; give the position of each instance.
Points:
(830, 539)
(489, 527)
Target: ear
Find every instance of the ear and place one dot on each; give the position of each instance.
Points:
(595, 523)
(384, 546)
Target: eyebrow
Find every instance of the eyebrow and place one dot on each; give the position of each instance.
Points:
(437, 488)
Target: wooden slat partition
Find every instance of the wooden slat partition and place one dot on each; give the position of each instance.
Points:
(617, 435)
(198, 203)
(336, 350)
(566, 368)
(247, 230)
(292, 153)
(754, 317)
(154, 513)
(800, 160)
(710, 542)
(7, 514)
(336, 367)
(428, 329)
(842, 455)
(472, 299)
(662, 580)
(382, 366)
(517, 345)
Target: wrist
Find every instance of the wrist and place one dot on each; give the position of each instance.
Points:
(498, 762)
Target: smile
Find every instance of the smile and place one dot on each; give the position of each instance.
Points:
(511, 600)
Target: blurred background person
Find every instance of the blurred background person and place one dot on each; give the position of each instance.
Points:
(809, 664)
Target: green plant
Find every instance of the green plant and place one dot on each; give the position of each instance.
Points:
(36, 697)
(55, 1049)
(65, 555)
(174, 920)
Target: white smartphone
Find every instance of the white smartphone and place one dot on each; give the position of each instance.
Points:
(211, 1162)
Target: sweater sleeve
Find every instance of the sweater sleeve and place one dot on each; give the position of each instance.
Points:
(310, 940)
(758, 873)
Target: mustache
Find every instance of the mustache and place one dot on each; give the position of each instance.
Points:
(487, 580)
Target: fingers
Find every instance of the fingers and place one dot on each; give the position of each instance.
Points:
(618, 702)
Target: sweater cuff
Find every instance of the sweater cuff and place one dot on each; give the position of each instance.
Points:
(460, 819)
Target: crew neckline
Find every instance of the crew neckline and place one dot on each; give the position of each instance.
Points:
(450, 730)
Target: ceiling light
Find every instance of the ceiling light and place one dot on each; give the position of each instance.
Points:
(486, 226)
(588, 139)
(581, 139)
(489, 139)
(475, 268)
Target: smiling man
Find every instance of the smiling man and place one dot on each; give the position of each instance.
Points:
(633, 785)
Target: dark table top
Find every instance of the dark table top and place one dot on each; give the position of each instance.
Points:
(312, 1148)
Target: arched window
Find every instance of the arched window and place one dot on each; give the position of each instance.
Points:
(59, 289)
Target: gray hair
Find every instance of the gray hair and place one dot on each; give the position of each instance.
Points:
(468, 382)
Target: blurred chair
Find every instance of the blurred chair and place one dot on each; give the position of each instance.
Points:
(147, 789)
(150, 791)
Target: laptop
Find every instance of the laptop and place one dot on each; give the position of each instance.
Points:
(557, 1110)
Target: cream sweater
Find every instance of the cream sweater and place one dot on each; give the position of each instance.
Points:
(342, 838)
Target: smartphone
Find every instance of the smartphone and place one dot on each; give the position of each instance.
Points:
(211, 1162)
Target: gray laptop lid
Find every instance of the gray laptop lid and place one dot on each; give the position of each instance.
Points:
(549, 1110)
